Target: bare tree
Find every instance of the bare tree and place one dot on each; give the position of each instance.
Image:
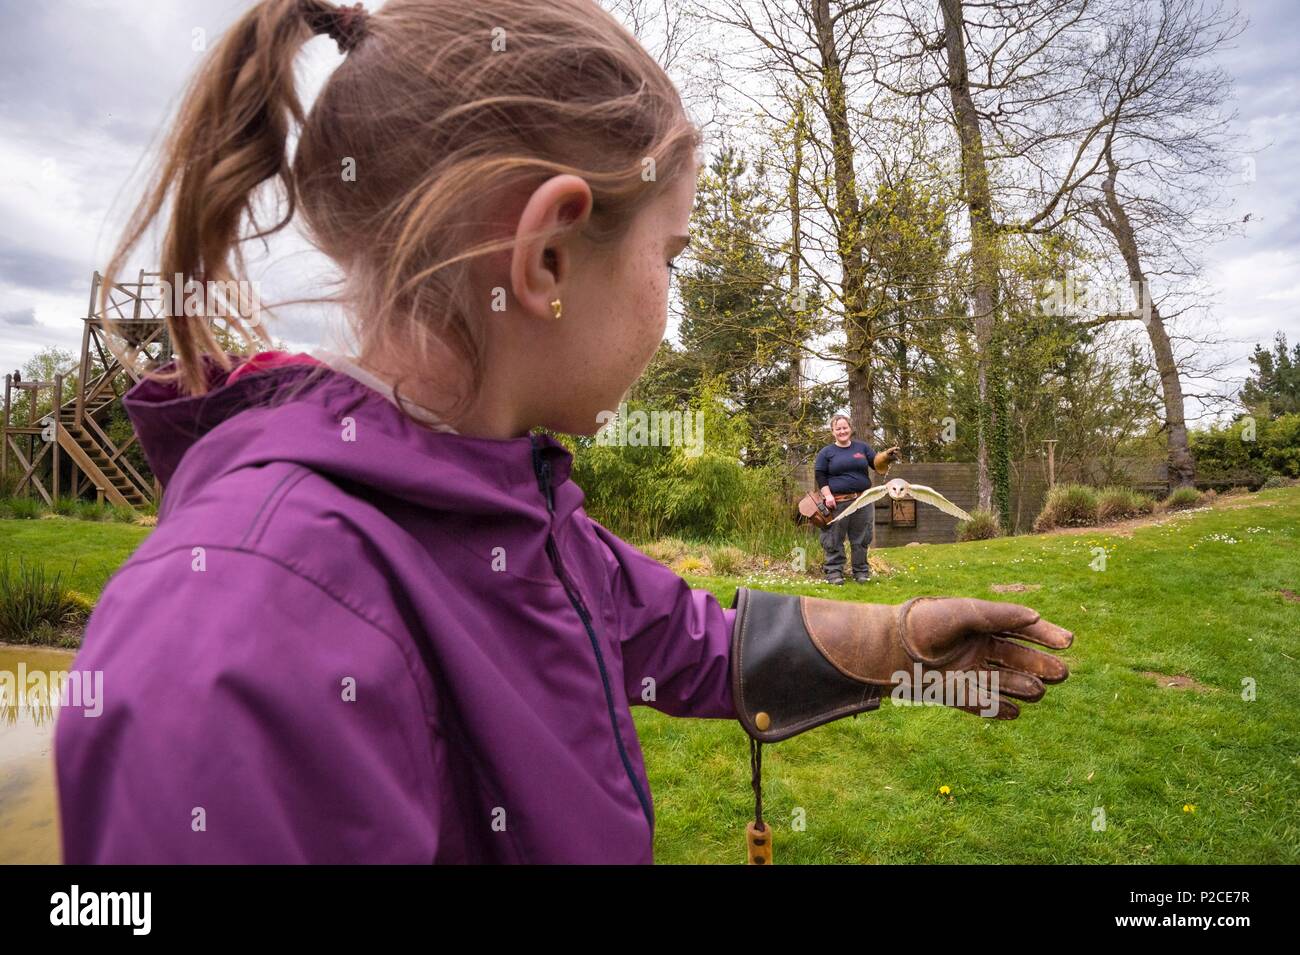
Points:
(661, 26)
(1010, 79)
(1033, 114)
(812, 55)
(1166, 157)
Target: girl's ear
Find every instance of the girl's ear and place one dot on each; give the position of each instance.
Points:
(549, 228)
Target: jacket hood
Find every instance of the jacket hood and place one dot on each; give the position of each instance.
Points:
(333, 424)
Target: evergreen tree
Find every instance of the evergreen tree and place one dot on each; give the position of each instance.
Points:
(1273, 388)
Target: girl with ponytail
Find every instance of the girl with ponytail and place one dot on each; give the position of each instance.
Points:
(374, 623)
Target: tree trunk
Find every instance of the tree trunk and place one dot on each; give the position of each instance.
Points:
(979, 205)
(903, 434)
(793, 453)
(1182, 467)
(859, 361)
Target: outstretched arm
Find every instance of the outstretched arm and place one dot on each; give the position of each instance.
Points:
(782, 664)
(799, 662)
(675, 640)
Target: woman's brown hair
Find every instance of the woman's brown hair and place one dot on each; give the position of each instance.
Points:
(440, 108)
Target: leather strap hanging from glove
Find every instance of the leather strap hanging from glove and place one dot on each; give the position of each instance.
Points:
(799, 662)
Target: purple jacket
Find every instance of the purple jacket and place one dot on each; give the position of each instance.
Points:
(351, 639)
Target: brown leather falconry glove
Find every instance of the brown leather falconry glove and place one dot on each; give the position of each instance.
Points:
(881, 462)
(799, 662)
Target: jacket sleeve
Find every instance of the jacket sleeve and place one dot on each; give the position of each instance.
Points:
(756, 662)
(676, 640)
(279, 727)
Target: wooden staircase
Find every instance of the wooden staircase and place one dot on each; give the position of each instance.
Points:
(87, 445)
(123, 336)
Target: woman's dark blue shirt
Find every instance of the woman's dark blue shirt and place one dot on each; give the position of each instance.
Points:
(844, 470)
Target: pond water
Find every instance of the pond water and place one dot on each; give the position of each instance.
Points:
(29, 828)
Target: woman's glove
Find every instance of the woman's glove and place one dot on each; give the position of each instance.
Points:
(799, 662)
(885, 458)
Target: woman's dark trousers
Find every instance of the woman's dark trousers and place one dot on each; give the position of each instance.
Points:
(857, 528)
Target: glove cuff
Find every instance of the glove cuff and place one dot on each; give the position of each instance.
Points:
(782, 681)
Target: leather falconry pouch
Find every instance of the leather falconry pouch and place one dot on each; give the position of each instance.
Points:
(814, 510)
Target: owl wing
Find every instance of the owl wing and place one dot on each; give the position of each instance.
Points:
(869, 496)
(932, 497)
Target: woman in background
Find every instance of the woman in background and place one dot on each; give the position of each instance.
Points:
(841, 474)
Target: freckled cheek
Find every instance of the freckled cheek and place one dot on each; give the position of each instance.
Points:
(654, 316)
(636, 323)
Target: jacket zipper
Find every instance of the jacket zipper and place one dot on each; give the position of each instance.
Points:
(542, 467)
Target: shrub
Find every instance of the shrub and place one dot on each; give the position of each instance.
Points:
(1068, 505)
(665, 550)
(28, 508)
(80, 602)
(726, 560)
(1119, 503)
(1275, 481)
(983, 525)
(90, 511)
(24, 508)
(34, 605)
(1230, 453)
(694, 565)
(1182, 498)
(700, 489)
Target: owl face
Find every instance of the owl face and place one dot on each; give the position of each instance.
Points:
(897, 488)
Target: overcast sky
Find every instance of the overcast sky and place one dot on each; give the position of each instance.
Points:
(86, 84)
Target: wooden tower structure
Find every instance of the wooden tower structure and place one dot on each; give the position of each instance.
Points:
(75, 425)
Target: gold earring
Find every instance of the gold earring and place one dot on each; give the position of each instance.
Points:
(556, 307)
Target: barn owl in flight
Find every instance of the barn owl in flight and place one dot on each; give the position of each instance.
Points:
(899, 489)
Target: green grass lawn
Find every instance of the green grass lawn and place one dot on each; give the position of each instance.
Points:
(1199, 595)
(86, 553)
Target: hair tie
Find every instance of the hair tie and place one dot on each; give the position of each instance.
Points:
(344, 25)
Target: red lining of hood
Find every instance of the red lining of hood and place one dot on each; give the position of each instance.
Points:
(271, 359)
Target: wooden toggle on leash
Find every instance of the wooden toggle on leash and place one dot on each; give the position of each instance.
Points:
(758, 835)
